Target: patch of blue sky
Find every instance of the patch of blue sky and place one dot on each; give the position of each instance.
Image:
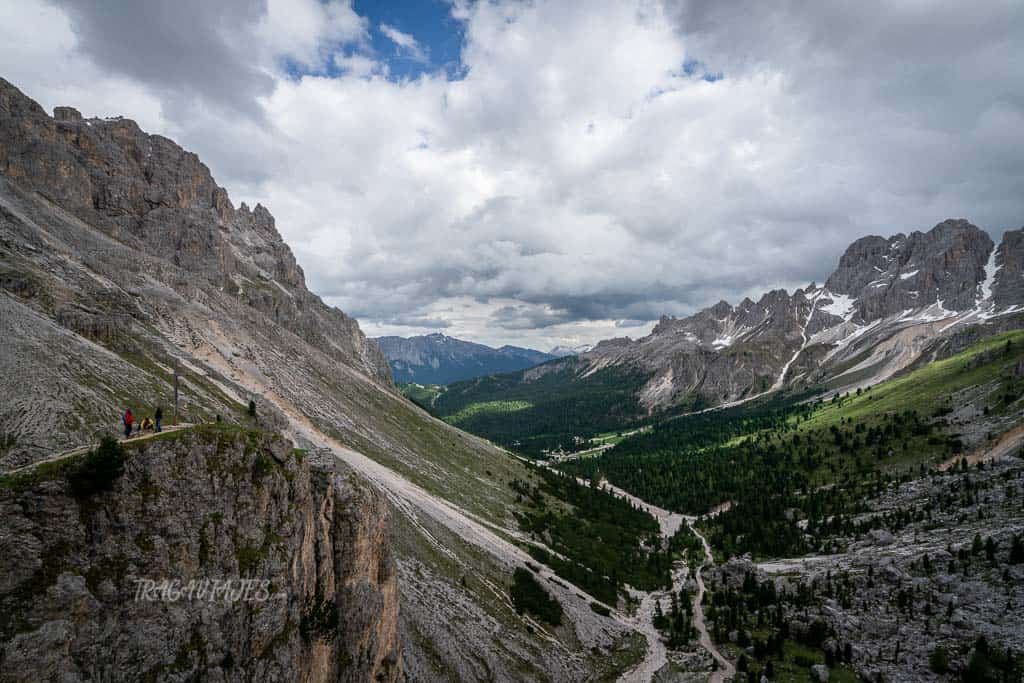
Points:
(438, 35)
(694, 68)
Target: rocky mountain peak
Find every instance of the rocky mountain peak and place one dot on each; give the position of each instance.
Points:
(148, 192)
(69, 114)
(721, 309)
(943, 266)
(950, 274)
(140, 188)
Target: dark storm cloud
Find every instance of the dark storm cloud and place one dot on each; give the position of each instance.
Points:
(526, 317)
(183, 49)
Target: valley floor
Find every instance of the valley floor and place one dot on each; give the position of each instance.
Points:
(656, 659)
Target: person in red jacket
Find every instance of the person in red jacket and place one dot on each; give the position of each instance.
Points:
(128, 420)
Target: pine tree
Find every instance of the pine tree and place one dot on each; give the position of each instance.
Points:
(1017, 551)
(990, 550)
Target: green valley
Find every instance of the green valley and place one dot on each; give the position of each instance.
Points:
(541, 409)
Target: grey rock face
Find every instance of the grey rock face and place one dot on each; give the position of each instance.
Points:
(1008, 288)
(124, 240)
(217, 504)
(146, 191)
(945, 264)
(720, 354)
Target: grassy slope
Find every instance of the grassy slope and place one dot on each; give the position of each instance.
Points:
(926, 389)
(983, 366)
(977, 373)
(423, 394)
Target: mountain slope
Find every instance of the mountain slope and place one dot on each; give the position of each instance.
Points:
(439, 359)
(123, 264)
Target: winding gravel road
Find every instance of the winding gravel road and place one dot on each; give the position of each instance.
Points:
(726, 670)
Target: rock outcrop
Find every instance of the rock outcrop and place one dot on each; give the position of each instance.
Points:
(82, 575)
(1008, 275)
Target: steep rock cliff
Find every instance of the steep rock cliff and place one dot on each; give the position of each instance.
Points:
(208, 504)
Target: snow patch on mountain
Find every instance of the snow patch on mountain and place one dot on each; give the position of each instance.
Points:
(562, 351)
(985, 288)
(841, 305)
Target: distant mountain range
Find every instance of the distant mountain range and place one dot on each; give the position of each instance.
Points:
(440, 359)
(563, 351)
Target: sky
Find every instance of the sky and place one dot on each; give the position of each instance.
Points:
(558, 172)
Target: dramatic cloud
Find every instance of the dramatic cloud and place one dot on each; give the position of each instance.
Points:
(594, 164)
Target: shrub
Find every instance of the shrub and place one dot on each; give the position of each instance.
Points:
(817, 633)
(528, 595)
(98, 470)
(319, 620)
(261, 467)
(804, 661)
(938, 660)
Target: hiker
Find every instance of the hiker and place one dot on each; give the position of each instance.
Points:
(159, 415)
(147, 423)
(128, 420)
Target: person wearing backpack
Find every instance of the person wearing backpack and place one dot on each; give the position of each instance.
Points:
(128, 419)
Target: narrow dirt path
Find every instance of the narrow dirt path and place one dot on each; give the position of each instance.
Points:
(81, 450)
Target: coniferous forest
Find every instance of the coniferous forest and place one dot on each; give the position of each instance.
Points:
(771, 464)
(599, 544)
